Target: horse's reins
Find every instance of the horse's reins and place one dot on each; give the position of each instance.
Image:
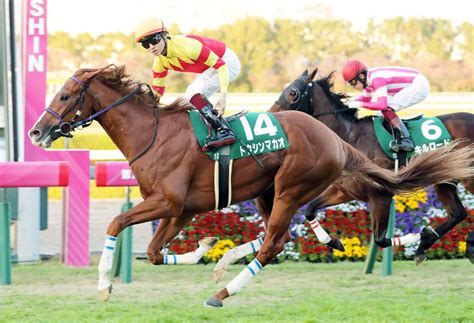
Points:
(332, 112)
(66, 127)
(155, 132)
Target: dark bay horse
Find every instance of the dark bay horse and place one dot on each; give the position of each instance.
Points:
(318, 99)
(176, 177)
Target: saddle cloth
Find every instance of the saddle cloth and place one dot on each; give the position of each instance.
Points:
(261, 132)
(427, 133)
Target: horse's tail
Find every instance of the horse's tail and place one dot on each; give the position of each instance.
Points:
(444, 165)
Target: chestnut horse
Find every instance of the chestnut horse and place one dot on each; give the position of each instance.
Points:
(176, 177)
(318, 99)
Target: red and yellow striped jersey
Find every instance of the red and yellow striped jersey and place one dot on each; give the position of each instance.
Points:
(190, 53)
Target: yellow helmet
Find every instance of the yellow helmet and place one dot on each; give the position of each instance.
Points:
(148, 26)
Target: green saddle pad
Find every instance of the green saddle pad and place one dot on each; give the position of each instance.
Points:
(426, 133)
(261, 132)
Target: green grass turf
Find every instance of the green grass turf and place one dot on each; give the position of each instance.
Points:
(436, 291)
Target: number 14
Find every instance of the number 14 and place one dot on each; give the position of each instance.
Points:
(263, 125)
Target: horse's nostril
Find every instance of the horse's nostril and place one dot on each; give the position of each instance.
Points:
(35, 133)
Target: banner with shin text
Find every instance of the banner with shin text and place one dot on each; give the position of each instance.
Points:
(75, 239)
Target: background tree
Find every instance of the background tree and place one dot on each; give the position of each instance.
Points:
(272, 54)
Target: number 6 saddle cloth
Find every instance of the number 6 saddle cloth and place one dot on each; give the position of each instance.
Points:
(260, 132)
(426, 133)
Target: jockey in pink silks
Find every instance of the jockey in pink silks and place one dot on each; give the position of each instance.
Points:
(387, 89)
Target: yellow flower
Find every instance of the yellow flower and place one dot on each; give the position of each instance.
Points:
(353, 248)
(219, 249)
(410, 202)
(462, 246)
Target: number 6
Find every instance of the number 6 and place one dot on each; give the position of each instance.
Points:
(430, 131)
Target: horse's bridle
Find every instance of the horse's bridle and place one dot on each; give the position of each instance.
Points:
(300, 98)
(66, 127)
(304, 102)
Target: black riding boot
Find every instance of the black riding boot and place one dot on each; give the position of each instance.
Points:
(224, 135)
(402, 136)
(470, 246)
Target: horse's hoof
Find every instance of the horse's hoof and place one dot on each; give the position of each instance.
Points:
(336, 244)
(208, 241)
(419, 259)
(105, 293)
(213, 302)
(219, 274)
(470, 255)
(470, 247)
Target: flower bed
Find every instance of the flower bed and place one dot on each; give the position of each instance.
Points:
(349, 222)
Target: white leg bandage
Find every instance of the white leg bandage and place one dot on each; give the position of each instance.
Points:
(244, 277)
(406, 239)
(236, 253)
(189, 258)
(105, 264)
(248, 248)
(321, 234)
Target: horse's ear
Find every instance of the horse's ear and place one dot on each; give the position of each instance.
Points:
(305, 72)
(312, 75)
(89, 74)
(331, 77)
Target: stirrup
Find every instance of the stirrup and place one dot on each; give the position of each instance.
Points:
(394, 146)
(408, 149)
(217, 143)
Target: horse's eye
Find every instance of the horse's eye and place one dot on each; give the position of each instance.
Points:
(64, 98)
(292, 92)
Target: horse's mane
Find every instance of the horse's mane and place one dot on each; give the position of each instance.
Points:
(327, 84)
(118, 79)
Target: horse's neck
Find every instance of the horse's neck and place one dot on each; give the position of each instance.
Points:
(358, 133)
(349, 130)
(130, 127)
(336, 122)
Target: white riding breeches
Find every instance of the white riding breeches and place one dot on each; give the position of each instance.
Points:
(207, 83)
(412, 94)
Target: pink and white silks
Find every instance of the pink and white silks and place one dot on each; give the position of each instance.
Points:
(394, 87)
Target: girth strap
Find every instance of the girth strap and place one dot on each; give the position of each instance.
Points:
(223, 178)
(401, 160)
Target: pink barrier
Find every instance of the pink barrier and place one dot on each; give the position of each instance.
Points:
(113, 174)
(34, 174)
(75, 242)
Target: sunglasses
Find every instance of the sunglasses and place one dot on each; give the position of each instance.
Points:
(151, 40)
(353, 82)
